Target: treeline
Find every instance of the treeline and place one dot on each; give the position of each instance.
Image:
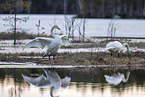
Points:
(86, 8)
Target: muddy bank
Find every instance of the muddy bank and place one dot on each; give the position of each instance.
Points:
(83, 58)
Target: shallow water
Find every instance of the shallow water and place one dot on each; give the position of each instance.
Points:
(6, 46)
(85, 82)
(94, 27)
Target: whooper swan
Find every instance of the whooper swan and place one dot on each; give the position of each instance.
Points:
(116, 79)
(52, 80)
(53, 44)
(116, 47)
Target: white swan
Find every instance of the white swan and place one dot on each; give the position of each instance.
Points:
(52, 80)
(53, 44)
(116, 47)
(116, 79)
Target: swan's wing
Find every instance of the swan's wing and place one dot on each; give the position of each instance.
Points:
(114, 46)
(65, 82)
(52, 76)
(108, 77)
(109, 48)
(65, 40)
(112, 49)
(113, 80)
(50, 73)
(40, 81)
(33, 80)
(38, 42)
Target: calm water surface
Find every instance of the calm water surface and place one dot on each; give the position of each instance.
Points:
(85, 82)
(94, 27)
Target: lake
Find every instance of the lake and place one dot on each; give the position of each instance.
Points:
(94, 27)
(85, 82)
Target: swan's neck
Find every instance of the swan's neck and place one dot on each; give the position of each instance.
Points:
(57, 38)
(126, 45)
(127, 77)
(51, 91)
(52, 31)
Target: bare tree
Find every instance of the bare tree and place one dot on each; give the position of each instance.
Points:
(12, 7)
(82, 33)
(39, 27)
(70, 26)
(112, 27)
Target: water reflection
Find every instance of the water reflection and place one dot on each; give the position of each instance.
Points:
(116, 79)
(52, 80)
(85, 82)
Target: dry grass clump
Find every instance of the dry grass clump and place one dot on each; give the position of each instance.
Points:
(82, 58)
(9, 57)
(96, 59)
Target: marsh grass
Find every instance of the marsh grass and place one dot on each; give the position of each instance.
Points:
(20, 35)
(80, 41)
(80, 58)
(139, 45)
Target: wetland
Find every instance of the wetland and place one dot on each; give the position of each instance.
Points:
(86, 63)
(92, 53)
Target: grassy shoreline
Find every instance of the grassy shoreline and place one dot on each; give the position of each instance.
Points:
(82, 58)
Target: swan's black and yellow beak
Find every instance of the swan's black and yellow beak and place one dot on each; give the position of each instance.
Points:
(58, 28)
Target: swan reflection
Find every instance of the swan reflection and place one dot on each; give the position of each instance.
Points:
(116, 79)
(52, 80)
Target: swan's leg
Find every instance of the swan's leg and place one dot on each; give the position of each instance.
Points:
(111, 54)
(53, 57)
(43, 56)
(118, 54)
(49, 57)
